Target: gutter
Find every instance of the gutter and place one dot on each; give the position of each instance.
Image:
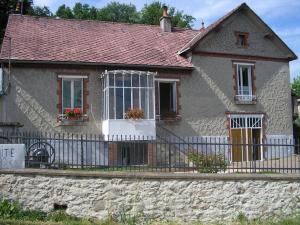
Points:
(94, 64)
(183, 51)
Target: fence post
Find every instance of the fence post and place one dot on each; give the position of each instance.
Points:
(81, 142)
(170, 157)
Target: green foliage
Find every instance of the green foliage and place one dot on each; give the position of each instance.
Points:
(297, 122)
(208, 163)
(12, 210)
(7, 7)
(127, 219)
(9, 209)
(60, 215)
(64, 12)
(296, 86)
(41, 11)
(119, 12)
(84, 11)
(127, 13)
(150, 14)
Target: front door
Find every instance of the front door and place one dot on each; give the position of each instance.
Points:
(246, 137)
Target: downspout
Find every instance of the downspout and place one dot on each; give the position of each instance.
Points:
(6, 88)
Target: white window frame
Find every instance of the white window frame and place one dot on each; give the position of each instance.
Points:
(72, 79)
(174, 84)
(107, 87)
(241, 96)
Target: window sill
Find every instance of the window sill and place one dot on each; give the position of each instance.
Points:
(250, 100)
(72, 123)
(172, 119)
(64, 121)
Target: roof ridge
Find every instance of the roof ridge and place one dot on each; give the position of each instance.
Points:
(98, 21)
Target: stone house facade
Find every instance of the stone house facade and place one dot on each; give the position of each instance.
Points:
(230, 79)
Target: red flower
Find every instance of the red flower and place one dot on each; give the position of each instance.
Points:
(67, 111)
(77, 111)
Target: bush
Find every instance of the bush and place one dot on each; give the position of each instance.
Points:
(208, 163)
(12, 210)
(9, 210)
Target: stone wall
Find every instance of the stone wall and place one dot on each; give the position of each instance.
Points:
(180, 197)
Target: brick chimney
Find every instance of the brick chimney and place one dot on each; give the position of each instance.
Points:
(165, 20)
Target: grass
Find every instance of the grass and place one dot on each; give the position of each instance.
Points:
(11, 213)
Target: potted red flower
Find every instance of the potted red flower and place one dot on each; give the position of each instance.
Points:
(134, 113)
(73, 114)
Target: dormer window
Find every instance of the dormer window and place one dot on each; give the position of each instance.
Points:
(241, 39)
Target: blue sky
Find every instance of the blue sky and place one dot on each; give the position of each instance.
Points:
(282, 16)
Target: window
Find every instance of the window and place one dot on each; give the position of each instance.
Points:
(241, 39)
(166, 91)
(128, 90)
(72, 93)
(244, 82)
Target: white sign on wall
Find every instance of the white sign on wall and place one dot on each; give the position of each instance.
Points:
(12, 156)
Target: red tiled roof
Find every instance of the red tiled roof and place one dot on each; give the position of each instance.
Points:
(86, 41)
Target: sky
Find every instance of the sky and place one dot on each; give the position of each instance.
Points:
(282, 16)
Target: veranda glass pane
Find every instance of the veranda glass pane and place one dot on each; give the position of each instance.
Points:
(111, 103)
(119, 103)
(135, 80)
(77, 93)
(136, 98)
(143, 80)
(144, 102)
(111, 79)
(127, 98)
(66, 94)
(150, 81)
(127, 80)
(119, 80)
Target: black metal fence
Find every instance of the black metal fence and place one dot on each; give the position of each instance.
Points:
(162, 154)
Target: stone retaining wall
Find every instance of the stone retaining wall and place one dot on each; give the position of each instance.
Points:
(182, 197)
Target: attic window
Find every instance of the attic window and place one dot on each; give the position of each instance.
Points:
(241, 38)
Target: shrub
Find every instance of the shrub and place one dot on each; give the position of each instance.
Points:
(12, 210)
(208, 163)
(9, 210)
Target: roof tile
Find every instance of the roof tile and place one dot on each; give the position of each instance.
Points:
(62, 40)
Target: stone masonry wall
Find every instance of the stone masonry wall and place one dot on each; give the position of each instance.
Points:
(176, 199)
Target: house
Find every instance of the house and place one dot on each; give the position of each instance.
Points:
(228, 80)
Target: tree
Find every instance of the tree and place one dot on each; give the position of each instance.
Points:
(41, 11)
(7, 7)
(151, 14)
(119, 12)
(84, 11)
(64, 12)
(296, 86)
